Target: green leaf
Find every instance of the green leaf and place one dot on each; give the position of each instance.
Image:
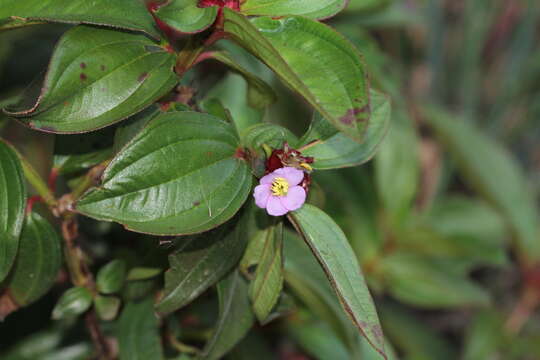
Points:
(199, 263)
(272, 135)
(138, 337)
(307, 280)
(259, 93)
(179, 175)
(336, 150)
(73, 302)
(38, 262)
(143, 273)
(235, 317)
(69, 164)
(126, 130)
(96, 12)
(339, 262)
(492, 172)
(314, 9)
(417, 280)
(185, 16)
(266, 287)
(111, 277)
(107, 307)
(484, 336)
(12, 204)
(398, 158)
(313, 60)
(97, 77)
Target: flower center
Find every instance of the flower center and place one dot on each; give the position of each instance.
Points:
(280, 186)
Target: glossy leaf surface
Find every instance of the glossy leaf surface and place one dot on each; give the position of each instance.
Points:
(185, 16)
(179, 175)
(38, 261)
(198, 263)
(339, 262)
(12, 204)
(336, 150)
(126, 14)
(315, 9)
(312, 60)
(96, 77)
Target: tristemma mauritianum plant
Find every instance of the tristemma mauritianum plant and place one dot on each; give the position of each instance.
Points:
(221, 191)
(207, 201)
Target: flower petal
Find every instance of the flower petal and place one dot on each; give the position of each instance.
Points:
(295, 198)
(268, 179)
(274, 206)
(261, 195)
(293, 175)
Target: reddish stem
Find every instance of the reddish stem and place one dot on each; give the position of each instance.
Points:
(30, 203)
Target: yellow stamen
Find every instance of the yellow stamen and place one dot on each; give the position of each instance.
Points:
(306, 166)
(280, 186)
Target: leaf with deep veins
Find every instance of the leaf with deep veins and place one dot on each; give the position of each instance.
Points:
(314, 61)
(97, 77)
(179, 175)
(129, 15)
(330, 246)
(12, 203)
(314, 9)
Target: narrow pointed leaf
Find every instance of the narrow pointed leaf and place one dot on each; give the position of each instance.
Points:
(265, 289)
(179, 175)
(95, 78)
(339, 262)
(12, 203)
(235, 317)
(314, 9)
(314, 61)
(199, 263)
(185, 16)
(129, 15)
(38, 261)
(137, 331)
(336, 150)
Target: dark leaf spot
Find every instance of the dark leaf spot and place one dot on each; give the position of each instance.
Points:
(83, 76)
(196, 203)
(102, 67)
(83, 65)
(351, 116)
(143, 76)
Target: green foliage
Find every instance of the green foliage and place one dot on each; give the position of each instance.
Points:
(12, 203)
(141, 169)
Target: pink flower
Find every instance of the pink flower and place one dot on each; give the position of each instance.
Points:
(279, 192)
